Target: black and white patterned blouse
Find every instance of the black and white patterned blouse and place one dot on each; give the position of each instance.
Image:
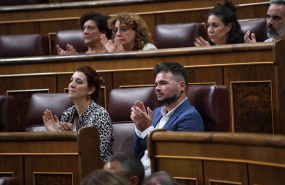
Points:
(94, 115)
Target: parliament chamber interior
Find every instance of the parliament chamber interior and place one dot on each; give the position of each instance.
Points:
(237, 89)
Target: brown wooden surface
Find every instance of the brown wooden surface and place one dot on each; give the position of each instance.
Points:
(231, 158)
(247, 70)
(45, 157)
(44, 11)
(188, 11)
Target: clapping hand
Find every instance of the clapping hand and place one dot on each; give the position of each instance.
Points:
(141, 116)
(199, 41)
(248, 38)
(111, 46)
(52, 123)
(70, 50)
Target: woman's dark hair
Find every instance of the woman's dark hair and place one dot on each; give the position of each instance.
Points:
(227, 14)
(99, 19)
(93, 79)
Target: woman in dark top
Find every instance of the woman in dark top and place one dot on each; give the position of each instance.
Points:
(93, 24)
(222, 26)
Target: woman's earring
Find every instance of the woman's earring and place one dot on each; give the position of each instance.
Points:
(88, 97)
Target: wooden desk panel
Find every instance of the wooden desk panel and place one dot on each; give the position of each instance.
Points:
(14, 169)
(44, 157)
(231, 158)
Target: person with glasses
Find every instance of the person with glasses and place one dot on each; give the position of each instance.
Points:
(93, 24)
(130, 32)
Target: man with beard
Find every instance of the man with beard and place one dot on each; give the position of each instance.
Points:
(275, 22)
(176, 114)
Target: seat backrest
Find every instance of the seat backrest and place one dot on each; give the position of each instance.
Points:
(8, 112)
(23, 45)
(119, 108)
(9, 181)
(56, 102)
(256, 26)
(123, 137)
(178, 35)
(72, 37)
(212, 102)
(121, 101)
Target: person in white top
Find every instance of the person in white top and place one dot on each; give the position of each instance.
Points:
(176, 114)
(275, 22)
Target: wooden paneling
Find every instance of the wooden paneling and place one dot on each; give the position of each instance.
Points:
(257, 175)
(56, 25)
(62, 169)
(28, 82)
(226, 158)
(50, 157)
(246, 74)
(257, 116)
(194, 11)
(127, 78)
(193, 169)
(228, 173)
(14, 169)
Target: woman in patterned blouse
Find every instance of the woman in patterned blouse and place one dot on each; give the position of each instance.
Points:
(84, 89)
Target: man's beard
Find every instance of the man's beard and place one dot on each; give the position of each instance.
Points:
(275, 34)
(169, 100)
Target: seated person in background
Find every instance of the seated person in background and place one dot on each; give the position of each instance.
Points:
(275, 22)
(176, 114)
(160, 178)
(93, 24)
(128, 166)
(130, 32)
(222, 26)
(102, 177)
(84, 89)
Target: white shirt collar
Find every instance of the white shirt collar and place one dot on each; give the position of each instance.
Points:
(164, 110)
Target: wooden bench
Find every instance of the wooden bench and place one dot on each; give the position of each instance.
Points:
(218, 158)
(43, 157)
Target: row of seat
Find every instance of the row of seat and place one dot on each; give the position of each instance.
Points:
(166, 36)
(211, 101)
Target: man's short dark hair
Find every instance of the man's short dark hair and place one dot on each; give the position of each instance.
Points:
(278, 2)
(130, 165)
(175, 68)
(160, 177)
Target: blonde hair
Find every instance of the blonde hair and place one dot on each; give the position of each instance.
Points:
(134, 21)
